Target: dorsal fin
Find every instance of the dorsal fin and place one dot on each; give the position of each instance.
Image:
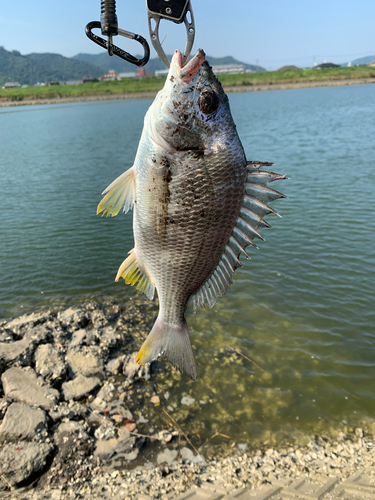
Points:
(246, 229)
(132, 274)
(120, 194)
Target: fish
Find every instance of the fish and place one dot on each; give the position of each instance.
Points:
(197, 204)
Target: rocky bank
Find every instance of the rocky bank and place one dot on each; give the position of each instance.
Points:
(79, 419)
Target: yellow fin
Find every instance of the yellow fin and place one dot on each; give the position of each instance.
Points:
(144, 353)
(131, 273)
(120, 194)
(171, 340)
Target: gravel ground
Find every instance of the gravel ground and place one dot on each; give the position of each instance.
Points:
(71, 421)
(321, 459)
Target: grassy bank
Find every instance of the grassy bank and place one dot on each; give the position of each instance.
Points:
(155, 84)
(298, 76)
(87, 89)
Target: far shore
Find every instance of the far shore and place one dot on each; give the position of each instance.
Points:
(152, 94)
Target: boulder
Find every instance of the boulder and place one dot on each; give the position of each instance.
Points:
(78, 338)
(49, 362)
(87, 361)
(68, 431)
(18, 324)
(18, 461)
(38, 334)
(22, 422)
(79, 387)
(23, 386)
(70, 411)
(74, 317)
(12, 351)
(134, 371)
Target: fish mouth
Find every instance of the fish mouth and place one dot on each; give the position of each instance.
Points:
(188, 72)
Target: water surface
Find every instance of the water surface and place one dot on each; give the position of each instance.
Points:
(302, 310)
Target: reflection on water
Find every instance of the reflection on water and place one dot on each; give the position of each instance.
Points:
(301, 310)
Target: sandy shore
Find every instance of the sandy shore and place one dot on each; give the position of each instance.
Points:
(228, 89)
(79, 419)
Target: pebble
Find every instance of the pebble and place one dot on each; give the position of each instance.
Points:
(167, 456)
(186, 400)
(188, 455)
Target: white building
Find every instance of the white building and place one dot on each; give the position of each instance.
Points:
(161, 72)
(11, 85)
(129, 74)
(228, 69)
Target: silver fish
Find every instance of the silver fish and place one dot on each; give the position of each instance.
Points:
(198, 203)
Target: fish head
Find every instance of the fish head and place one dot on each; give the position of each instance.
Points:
(191, 112)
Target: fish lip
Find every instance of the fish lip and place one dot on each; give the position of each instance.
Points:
(187, 72)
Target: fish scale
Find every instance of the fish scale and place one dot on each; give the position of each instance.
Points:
(198, 203)
(193, 207)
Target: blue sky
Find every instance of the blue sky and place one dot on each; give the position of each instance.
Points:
(272, 32)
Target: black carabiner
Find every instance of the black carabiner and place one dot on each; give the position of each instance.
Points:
(113, 49)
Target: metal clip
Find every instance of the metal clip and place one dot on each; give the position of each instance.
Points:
(113, 49)
(176, 11)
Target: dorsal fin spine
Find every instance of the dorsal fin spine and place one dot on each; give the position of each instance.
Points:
(238, 247)
(254, 218)
(240, 234)
(254, 207)
(258, 205)
(263, 193)
(252, 233)
(233, 257)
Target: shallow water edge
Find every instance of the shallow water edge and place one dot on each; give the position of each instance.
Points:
(99, 420)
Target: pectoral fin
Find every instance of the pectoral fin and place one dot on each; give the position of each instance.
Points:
(120, 194)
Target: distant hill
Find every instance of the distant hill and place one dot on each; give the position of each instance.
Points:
(106, 62)
(363, 60)
(289, 67)
(33, 68)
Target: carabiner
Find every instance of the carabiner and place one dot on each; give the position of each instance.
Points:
(113, 49)
(109, 26)
(176, 11)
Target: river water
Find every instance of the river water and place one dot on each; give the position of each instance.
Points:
(301, 311)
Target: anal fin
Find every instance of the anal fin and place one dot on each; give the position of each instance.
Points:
(120, 194)
(132, 274)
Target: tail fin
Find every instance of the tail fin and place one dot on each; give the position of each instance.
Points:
(174, 342)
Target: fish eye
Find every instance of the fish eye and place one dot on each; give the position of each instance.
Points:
(208, 101)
